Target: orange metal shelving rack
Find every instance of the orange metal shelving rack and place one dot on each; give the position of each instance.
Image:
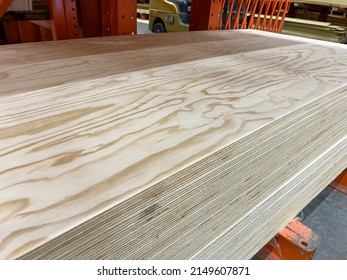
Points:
(71, 19)
(267, 15)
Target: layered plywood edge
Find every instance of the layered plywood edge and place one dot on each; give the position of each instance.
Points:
(332, 3)
(173, 146)
(315, 30)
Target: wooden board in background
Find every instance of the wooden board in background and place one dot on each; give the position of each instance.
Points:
(333, 3)
(315, 30)
(21, 6)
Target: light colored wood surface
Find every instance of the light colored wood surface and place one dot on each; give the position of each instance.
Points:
(315, 30)
(333, 3)
(103, 142)
(89, 59)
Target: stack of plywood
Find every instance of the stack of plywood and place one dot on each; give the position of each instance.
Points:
(194, 145)
(315, 30)
(337, 20)
(332, 3)
(21, 6)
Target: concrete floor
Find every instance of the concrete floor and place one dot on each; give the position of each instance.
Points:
(326, 215)
(142, 27)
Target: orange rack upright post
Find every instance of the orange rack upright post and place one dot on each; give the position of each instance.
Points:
(294, 242)
(340, 182)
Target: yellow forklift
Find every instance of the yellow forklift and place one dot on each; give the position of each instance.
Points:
(169, 15)
(174, 15)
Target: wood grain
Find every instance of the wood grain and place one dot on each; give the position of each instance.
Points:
(104, 57)
(133, 147)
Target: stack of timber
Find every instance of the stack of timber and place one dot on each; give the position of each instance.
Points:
(330, 3)
(315, 30)
(21, 6)
(337, 20)
(198, 145)
(337, 17)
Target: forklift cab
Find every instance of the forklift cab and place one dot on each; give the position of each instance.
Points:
(169, 15)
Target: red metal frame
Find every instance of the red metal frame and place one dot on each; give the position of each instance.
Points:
(90, 18)
(64, 19)
(4, 4)
(58, 20)
(29, 32)
(97, 18)
(71, 18)
(118, 17)
(267, 15)
(206, 14)
(12, 32)
(294, 242)
(340, 182)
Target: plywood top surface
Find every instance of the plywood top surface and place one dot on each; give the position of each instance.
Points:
(86, 124)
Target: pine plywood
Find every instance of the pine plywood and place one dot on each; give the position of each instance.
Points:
(165, 146)
(315, 30)
(83, 60)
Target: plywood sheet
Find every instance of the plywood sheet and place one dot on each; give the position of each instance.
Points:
(166, 146)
